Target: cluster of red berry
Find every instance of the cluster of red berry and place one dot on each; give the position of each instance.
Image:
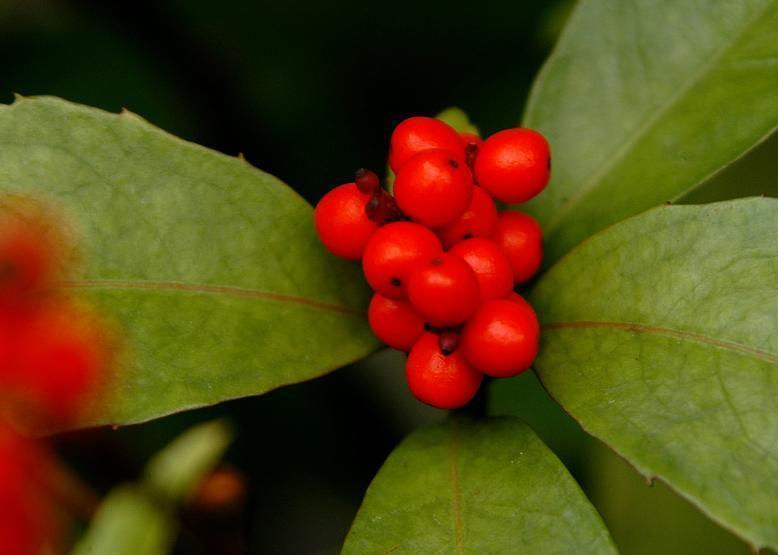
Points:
(28, 520)
(53, 354)
(441, 259)
(52, 348)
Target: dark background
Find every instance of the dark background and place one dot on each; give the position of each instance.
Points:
(309, 91)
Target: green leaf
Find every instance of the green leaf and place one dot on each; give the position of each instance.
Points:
(173, 472)
(660, 336)
(128, 522)
(139, 519)
(488, 486)
(457, 118)
(649, 520)
(643, 101)
(211, 267)
(749, 176)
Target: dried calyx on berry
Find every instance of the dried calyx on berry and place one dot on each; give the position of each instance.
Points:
(442, 381)
(366, 181)
(471, 151)
(448, 341)
(448, 337)
(382, 209)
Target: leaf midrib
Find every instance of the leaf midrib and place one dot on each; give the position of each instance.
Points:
(210, 289)
(666, 332)
(596, 176)
(456, 492)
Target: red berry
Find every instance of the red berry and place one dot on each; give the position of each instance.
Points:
(478, 220)
(27, 521)
(342, 223)
(434, 188)
(443, 381)
(513, 165)
(415, 135)
(27, 260)
(393, 252)
(490, 264)
(518, 299)
(60, 355)
(395, 322)
(521, 238)
(501, 338)
(444, 290)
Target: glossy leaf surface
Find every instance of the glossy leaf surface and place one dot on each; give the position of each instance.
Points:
(487, 486)
(642, 101)
(211, 268)
(660, 337)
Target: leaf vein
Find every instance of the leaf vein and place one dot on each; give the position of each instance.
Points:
(456, 494)
(667, 332)
(207, 289)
